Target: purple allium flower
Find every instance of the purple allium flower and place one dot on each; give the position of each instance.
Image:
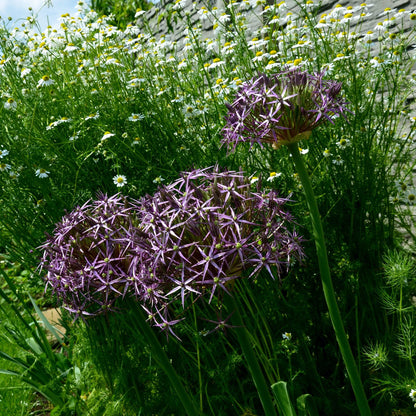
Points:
(282, 108)
(207, 229)
(195, 236)
(91, 254)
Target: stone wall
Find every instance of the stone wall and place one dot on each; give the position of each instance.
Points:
(175, 30)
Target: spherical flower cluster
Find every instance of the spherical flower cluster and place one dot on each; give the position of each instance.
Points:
(282, 108)
(194, 236)
(90, 255)
(209, 228)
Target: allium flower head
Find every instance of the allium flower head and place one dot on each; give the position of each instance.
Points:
(194, 236)
(91, 254)
(281, 108)
(207, 229)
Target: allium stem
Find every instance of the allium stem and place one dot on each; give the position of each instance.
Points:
(327, 285)
(159, 354)
(262, 386)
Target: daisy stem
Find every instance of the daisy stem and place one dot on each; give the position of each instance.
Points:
(262, 386)
(327, 285)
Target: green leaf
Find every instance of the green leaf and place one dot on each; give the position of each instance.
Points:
(34, 346)
(47, 324)
(306, 406)
(283, 400)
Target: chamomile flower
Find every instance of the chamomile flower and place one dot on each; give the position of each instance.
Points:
(412, 394)
(107, 135)
(58, 122)
(3, 152)
(70, 48)
(338, 160)
(410, 196)
(4, 167)
(92, 116)
(119, 181)
(24, 72)
(136, 117)
(273, 176)
(42, 173)
(214, 64)
(387, 11)
(254, 179)
(45, 81)
(401, 186)
(10, 104)
(158, 180)
(139, 12)
(343, 143)
(326, 153)
(74, 137)
(271, 65)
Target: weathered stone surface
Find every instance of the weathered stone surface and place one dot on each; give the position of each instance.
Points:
(53, 316)
(175, 30)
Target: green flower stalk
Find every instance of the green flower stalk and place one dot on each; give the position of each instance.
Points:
(282, 110)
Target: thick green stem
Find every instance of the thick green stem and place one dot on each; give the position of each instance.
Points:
(262, 387)
(159, 354)
(327, 283)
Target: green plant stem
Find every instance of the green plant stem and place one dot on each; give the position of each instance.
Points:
(327, 285)
(162, 359)
(262, 386)
(198, 358)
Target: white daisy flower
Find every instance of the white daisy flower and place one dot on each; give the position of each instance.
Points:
(107, 135)
(410, 196)
(3, 152)
(159, 179)
(58, 122)
(343, 143)
(139, 12)
(74, 137)
(42, 173)
(272, 64)
(45, 81)
(92, 116)
(10, 104)
(119, 181)
(326, 153)
(273, 176)
(4, 167)
(24, 72)
(214, 64)
(338, 160)
(136, 117)
(70, 48)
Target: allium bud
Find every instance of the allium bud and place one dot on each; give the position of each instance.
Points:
(282, 108)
